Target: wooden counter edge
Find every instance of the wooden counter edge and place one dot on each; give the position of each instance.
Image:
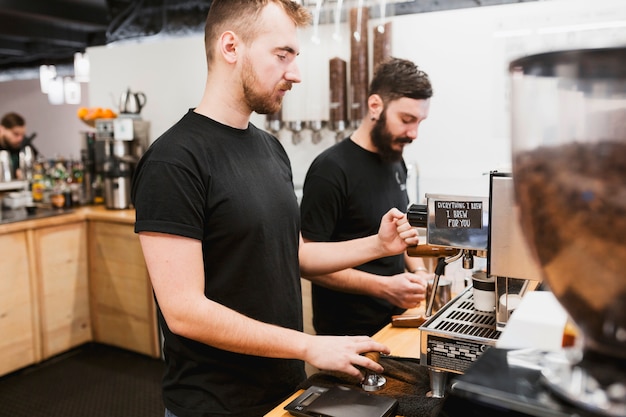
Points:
(403, 342)
(126, 216)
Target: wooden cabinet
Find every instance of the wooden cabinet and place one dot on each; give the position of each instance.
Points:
(60, 254)
(122, 304)
(18, 324)
(70, 279)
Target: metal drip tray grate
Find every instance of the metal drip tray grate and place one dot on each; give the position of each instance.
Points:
(457, 335)
(461, 318)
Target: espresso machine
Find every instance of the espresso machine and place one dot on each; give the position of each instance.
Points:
(455, 336)
(568, 181)
(119, 144)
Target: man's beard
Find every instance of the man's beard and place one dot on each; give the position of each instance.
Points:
(8, 144)
(383, 139)
(260, 102)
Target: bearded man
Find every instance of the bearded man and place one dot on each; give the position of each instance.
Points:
(346, 190)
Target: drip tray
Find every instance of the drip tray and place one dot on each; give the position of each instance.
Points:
(457, 335)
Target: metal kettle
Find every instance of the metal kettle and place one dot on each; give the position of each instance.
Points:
(132, 103)
(6, 166)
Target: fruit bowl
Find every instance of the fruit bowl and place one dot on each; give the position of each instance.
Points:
(89, 115)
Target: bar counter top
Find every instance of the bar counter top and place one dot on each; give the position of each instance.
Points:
(52, 217)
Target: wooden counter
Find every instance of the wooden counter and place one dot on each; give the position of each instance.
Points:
(72, 278)
(403, 342)
(77, 214)
(123, 312)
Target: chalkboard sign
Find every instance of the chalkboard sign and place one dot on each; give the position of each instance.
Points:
(458, 214)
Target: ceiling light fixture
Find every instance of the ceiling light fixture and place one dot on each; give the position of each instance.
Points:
(46, 74)
(81, 67)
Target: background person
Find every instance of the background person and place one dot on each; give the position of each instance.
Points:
(348, 187)
(219, 226)
(13, 139)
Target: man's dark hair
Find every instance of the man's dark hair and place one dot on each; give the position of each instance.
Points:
(10, 120)
(396, 78)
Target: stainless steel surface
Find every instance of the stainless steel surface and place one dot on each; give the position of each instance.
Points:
(117, 193)
(119, 145)
(373, 382)
(6, 166)
(441, 297)
(509, 255)
(439, 270)
(438, 381)
(132, 103)
(27, 161)
(456, 336)
(509, 292)
(460, 222)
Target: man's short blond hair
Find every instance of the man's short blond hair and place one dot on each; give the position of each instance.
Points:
(243, 17)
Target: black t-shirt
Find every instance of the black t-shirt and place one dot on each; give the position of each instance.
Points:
(347, 190)
(232, 189)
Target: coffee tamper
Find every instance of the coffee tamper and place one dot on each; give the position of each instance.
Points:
(373, 381)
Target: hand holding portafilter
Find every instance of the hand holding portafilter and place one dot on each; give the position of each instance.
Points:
(417, 215)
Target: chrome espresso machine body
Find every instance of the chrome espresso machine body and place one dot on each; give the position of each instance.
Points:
(454, 337)
(119, 145)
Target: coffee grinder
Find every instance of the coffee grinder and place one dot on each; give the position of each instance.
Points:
(119, 144)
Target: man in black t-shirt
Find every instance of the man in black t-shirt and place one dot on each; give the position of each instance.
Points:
(219, 226)
(346, 190)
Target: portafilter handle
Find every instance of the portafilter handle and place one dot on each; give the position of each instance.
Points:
(417, 215)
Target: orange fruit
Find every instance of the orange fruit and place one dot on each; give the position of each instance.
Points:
(82, 112)
(108, 114)
(94, 113)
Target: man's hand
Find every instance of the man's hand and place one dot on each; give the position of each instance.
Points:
(343, 354)
(405, 290)
(395, 233)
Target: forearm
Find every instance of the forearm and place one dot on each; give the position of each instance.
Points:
(213, 324)
(176, 270)
(351, 281)
(317, 258)
(394, 235)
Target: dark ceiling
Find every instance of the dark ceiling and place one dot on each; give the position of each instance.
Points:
(36, 32)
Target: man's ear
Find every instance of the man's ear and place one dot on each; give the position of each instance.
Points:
(228, 46)
(375, 105)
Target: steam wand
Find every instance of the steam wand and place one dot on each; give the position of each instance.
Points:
(440, 269)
